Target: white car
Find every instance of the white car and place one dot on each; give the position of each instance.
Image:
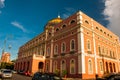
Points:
(6, 74)
(13, 71)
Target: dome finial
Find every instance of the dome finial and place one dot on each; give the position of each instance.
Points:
(58, 16)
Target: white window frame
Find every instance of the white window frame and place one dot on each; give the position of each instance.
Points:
(101, 66)
(90, 71)
(48, 52)
(62, 47)
(71, 45)
(71, 66)
(55, 49)
(89, 42)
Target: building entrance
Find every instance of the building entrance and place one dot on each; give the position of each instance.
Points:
(40, 66)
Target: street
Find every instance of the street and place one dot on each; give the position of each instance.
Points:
(19, 77)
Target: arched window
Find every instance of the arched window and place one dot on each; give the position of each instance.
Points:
(114, 67)
(99, 49)
(106, 51)
(113, 54)
(72, 21)
(103, 50)
(64, 26)
(90, 66)
(63, 65)
(56, 49)
(86, 22)
(47, 67)
(110, 64)
(63, 47)
(72, 45)
(48, 51)
(72, 66)
(110, 53)
(88, 45)
(57, 29)
(55, 66)
(107, 71)
(101, 66)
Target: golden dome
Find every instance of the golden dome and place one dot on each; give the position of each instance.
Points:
(55, 20)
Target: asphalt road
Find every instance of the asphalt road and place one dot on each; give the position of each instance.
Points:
(19, 77)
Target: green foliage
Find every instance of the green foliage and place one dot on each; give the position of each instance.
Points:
(57, 71)
(5, 65)
(64, 72)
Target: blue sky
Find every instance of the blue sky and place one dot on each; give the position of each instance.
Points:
(21, 20)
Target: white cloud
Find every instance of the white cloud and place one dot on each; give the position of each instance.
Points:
(2, 3)
(68, 12)
(18, 25)
(112, 14)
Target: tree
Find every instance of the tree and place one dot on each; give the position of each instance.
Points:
(5, 65)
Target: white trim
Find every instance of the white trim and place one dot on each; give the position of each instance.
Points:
(79, 17)
(99, 57)
(82, 50)
(79, 51)
(94, 45)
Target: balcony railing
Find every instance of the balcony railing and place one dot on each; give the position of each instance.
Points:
(72, 52)
(102, 55)
(55, 55)
(62, 54)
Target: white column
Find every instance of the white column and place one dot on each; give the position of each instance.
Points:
(81, 56)
(94, 45)
(51, 56)
(82, 51)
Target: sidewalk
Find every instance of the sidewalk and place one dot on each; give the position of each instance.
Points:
(71, 79)
(76, 79)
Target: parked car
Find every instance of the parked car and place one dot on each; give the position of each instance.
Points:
(110, 76)
(14, 71)
(45, 76)
(21, 72)
(27, 73)
(6, 74)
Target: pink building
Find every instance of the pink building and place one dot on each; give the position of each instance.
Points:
(79, 45)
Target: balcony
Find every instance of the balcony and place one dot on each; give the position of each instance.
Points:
(40, 57)
(107, 56)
